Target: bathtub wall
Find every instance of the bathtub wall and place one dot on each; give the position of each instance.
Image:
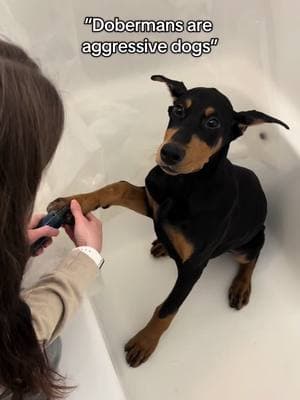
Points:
(283, 39)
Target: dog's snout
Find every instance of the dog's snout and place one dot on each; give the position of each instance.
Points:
(171, 153)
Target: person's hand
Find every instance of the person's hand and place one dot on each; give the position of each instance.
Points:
(34, 234)
(87, 230)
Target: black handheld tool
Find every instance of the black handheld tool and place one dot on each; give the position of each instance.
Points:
(55, 219)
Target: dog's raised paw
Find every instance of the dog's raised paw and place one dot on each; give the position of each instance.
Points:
(140, 348)
(57, 204)
(239, 294)
(158, 249)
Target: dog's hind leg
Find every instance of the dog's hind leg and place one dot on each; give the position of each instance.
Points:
(246, 256)
(117, 194)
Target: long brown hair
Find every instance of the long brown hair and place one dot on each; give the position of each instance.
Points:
(31, 124)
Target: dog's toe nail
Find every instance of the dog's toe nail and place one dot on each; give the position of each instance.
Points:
(131, 355)
(138, 359)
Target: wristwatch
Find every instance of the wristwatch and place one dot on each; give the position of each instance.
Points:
(93, 254)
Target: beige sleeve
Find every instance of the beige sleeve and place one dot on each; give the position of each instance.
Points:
(56, 296)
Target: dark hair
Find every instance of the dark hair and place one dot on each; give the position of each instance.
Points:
(31, 124)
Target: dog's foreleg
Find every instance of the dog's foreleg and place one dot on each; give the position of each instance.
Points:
(143, 344)
(117, 194)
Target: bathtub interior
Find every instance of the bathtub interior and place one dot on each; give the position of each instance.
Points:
(115, 121)
(208, 341)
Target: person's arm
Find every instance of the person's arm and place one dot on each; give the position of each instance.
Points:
(56, 296)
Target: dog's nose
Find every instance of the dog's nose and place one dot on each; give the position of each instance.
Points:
(171, 153)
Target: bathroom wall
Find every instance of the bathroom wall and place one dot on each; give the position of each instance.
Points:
(284, 48)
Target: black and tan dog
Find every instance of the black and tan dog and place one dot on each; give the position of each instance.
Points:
(201, 204)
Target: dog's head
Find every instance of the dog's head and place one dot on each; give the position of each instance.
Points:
(202, 121)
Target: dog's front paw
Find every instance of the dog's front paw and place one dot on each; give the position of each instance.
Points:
(140, 348)
(58, 204)
(158, 249)
(239, 293)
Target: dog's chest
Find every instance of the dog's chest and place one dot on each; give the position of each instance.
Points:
(163, 194)
(192, 205)
(171, 199)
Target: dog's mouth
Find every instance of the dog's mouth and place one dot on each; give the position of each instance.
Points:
(178, 169)
(168, 170)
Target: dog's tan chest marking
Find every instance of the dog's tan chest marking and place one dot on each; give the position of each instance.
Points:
(183, 247)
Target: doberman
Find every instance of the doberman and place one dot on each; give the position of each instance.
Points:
(201, 204)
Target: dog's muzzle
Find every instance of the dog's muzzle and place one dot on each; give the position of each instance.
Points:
(171, 154)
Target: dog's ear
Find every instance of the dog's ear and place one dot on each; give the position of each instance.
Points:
(242, 120)
(176, 88)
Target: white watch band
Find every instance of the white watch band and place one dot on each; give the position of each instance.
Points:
(93, 254)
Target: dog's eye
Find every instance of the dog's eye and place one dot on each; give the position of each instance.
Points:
(178, 111)
(213, 123)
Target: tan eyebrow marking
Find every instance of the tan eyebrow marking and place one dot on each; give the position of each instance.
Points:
(188, 103)
(209, 111)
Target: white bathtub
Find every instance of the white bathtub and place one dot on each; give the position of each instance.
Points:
(115, 120)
